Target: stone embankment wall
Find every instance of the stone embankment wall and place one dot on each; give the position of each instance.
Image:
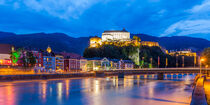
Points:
(198, 95)
(43, 76)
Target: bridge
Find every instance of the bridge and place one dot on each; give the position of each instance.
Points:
(7, 74)
(159, 71)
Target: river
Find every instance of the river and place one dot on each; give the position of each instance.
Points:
(176, 89)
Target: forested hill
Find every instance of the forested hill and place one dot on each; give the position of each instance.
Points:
(62, 42)
(177, 42)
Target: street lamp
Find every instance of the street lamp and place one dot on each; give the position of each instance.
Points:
(206, 69)
(201, 60)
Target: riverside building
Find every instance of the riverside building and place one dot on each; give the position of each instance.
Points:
(59, 62)
(49, 60)
(5, 51)
(184, 53)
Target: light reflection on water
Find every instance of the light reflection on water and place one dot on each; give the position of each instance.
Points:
(132, 90)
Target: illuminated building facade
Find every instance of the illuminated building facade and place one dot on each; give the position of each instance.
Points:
(59, 62)
(93, 64)
(73, 62)
(126, 64)
(149, 43)
(39, 58)
(116, 35)
(5, 62)
(72, 65)
(95, 42)
(49, 63)
(49, 60)
(5, 51)
(119, 38)
(184, 53)
(188, 53)
(96, 64)
(83, 64)
(114, 63)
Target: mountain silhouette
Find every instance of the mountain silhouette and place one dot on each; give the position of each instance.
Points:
(60, 42)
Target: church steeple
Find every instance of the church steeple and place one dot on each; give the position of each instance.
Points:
(49, 50)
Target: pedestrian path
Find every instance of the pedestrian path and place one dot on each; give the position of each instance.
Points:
(198, 97)
(207, 89)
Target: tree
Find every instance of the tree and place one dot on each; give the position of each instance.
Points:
(206, 55)
(31, 59)
(28, 59)
(15, 55)
(136, 38)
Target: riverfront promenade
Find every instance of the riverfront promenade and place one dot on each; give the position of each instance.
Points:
(207, 89)
(198, 95)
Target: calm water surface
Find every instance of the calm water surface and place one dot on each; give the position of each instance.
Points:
(132, 90)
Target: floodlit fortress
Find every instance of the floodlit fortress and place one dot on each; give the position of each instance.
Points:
(116, 35)
(119, 38)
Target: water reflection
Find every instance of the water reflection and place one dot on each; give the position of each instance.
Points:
(145, 89)
(67, 87)
(7, 95)
(43, 90)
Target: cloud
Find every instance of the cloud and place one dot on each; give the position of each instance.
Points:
(204, 7)
(2, 2)
(188, 27)
(63, 9)
(195, 22)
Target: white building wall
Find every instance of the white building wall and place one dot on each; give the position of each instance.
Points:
(4, 56)
(119, 36)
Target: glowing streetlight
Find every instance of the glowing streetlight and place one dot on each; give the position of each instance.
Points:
(206, 69)
(201, 60)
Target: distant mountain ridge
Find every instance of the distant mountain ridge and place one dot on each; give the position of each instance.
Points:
(177, 42)
(61, 42)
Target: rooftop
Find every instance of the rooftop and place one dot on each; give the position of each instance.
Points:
(5, 48)
(116, 30)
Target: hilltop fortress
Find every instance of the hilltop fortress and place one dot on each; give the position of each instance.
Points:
(119, 38)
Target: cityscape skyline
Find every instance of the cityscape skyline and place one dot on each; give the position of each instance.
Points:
(153, 17)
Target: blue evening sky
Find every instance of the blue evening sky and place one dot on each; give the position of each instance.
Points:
(91, 17)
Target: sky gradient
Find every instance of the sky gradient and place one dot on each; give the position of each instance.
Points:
(79, 18)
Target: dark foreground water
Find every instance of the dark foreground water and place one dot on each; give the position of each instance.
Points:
(132, 90)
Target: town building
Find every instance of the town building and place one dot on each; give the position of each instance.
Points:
(97, 64)
(184, 53)
(39, 58)
(5, 53)
(72, 65)
(72, 62)
(59, 62)
(83, 65)
(126, 64)
(114, 63)
(49, 61)
(187, 53)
